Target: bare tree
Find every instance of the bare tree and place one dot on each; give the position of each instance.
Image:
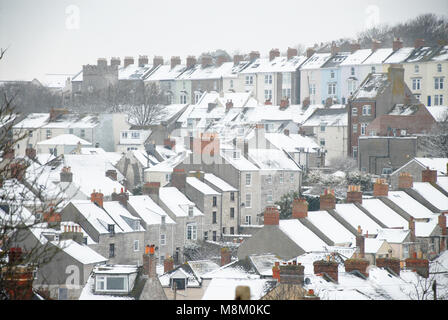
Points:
(435, 144)
(151, 110)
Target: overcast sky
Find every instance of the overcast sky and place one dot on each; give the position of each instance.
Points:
(59, 36)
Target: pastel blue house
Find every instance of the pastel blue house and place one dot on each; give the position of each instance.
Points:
(331, 79)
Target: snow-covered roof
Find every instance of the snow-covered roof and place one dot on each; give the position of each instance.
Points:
(336, 60)
(218, 182)
(384, 213)
(201, 186)
(87, 294)
(148, 210)
(201, 267)
(373, 245)
(134, 72)
(241, 163)
(74, 120)
(357, 57)
(263, 263)
(316, 61)
(378, 56)
(278, 64)
(443, 183)
(356, 217)
(56, 81)
(224, 289)
(164, 72)
(177, 202)
(33, 121)
(439, 164)
(422, 54)
(272, 159)
(331, 227)
(432, 195)
(170, 163)
(14, 192)
(82, 253)
(393, 235)
(400, 55)
(122, 216)
(301, 235)
(292, 143)
(374, 84)
(409, 204)
(425, 229)
(442, 55)
(145, 159)
(96, 216)
(329, 117)
(404, 110)
(439, 113)
(65, 140)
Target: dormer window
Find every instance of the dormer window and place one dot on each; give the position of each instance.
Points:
(163, 219)
(111, 228)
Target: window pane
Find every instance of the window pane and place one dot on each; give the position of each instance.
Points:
(115, 283)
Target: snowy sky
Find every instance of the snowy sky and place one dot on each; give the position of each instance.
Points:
(59, 36)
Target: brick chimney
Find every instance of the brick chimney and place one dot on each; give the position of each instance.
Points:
(237, 59)
(376, 45)
(429, 175)
(405, 180)
(72, 232)
(306, 103)
(354, 194)
(143, 60)
(229, 105)
(271, 216)
(442, 225)
(169, 143)
(299, 208)
(286, 132)
(121, 197)
(206, 61)
(292, 273)
(175, 60)
(112, 174)
(66, 175)
(310, 52)
(157, 61)
(276, 271)
(115, 61)
(327, 200)
(254, 55)
(334, 49)
(357, 264)
(220, 60)
(151, 189)
(191, 61)
(412, 239)
(330, 267)
(397, 44)
(97, 197)
(291, 52)
(207, 144)
(355, 47)
(360, 242)
(168, 264)
(128, 61)
(284, 103)
(56, 112)
(421, 266)
(30, 152)
(419, 43)
(391, 263)
(273, 54)
(178, 178)
(380, 188)
(149, 261)
(226, 256)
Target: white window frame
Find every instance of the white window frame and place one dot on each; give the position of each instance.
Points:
(136, 245)
(364, 128)
(268, 95)
(248, 220)
(192, 230)
(162, 239)
(416, 68)
(248, 179)
(416, 84)
(354, 111)
(248, 203)
(366, 110)
(438, 83)
(249, 80)
(355, 128)
(269, 196)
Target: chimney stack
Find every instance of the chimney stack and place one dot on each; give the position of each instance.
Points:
(128, 61)
(66, 175)
(226, 256)
(220, 60)
(178, 178)
(328, 200)
(284, 103)
(376, 45)
(97, 197)
(102, 62)
(121, 197)
(191, 61)
(157, 61)
(292, 273)
(334, 49)
(276, 271)
(355, 47)
(310, 52)
(168, 264)
(273, 54)
(357, 264)
(229, 104)
(271, 216)
(149, 261)
(429, 175)
(206, 61)
(421, 266)
(299, 208)
(142, 60)
(397, 44)
(391, 263)
(175, 60)
(291, 52)
(151, 189)
(419, 43)
(237, 59)
(330, 267)
(360, 242)
(354, 194)
(254, 55)
(405, 180)
(115, 61)
(380, 188)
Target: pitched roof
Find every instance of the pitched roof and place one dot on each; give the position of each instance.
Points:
(65, 140)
